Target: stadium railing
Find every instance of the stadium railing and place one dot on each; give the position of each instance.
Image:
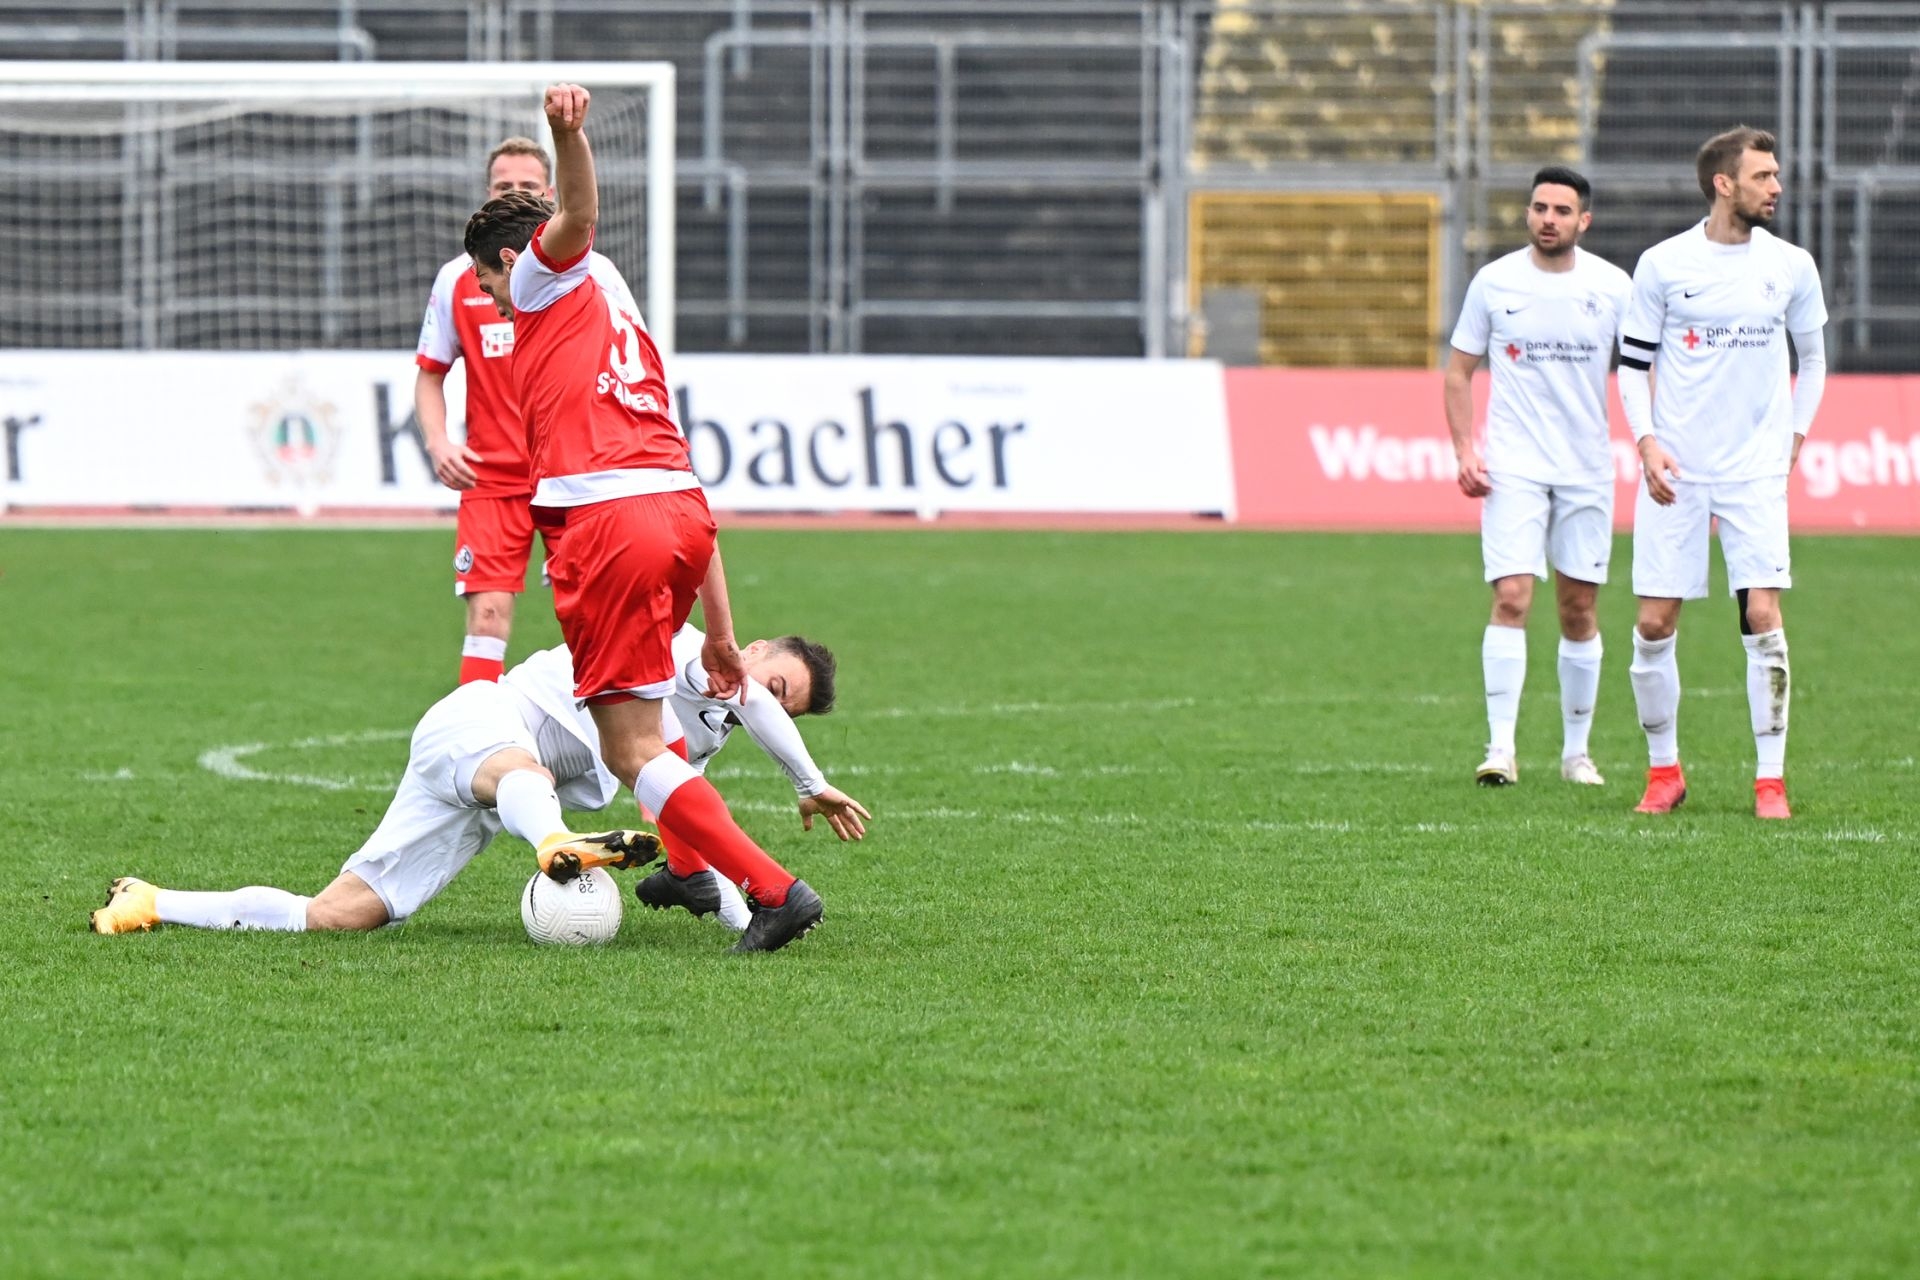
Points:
(985, 175)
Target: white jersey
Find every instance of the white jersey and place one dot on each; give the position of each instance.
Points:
(708, 721)
(563, 728)
(1548, 336)
(1715, 319)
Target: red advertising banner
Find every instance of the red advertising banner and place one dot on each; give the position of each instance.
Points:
(1368, 449)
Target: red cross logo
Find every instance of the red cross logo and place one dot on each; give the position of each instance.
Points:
(1513, 352)
(1692, 339)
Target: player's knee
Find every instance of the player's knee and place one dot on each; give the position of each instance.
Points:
(1762, 616)
(1578, 621)
(357, 916)
(490, 614)
(1511, 599)
(1656, 626)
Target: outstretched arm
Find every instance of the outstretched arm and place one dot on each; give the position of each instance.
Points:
(570, 231)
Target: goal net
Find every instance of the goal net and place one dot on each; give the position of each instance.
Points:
(275, 206)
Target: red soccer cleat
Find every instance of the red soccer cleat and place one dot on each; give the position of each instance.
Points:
(1770, 799)
(1666, 788)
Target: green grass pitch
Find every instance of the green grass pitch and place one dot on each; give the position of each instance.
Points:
(1181, 945)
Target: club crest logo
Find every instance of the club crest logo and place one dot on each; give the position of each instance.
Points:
(1768, 289)
(463, 559)
(1591, 307)
(295, 434)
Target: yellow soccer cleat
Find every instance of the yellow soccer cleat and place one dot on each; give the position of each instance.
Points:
(564, 855)
(130, 906)
(1497, 770)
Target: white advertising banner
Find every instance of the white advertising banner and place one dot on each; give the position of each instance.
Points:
(318, 431)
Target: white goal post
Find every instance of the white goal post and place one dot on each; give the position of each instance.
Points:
(277, 205)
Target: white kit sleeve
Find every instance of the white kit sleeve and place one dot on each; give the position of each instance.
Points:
(439, 344)
(774, 732)
(539, 281)
(1811, 346)
(1471, 331)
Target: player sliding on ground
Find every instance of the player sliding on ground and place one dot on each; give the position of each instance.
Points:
(490, 756)
(611, 471)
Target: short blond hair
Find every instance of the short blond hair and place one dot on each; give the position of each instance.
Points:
(518, 146)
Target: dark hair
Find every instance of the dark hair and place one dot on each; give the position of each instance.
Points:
(821, 668)
(1561, 176)
(505, 222)
(1722, 154)
(518, 146)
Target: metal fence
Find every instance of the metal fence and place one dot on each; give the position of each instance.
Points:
(1018, 175)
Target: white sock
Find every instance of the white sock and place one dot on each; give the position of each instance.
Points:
(1579, 688)
(491, 647)
(528, 807)
(659, 778)
(1769, 690)
(1656, 692)
(1503, 662)
(734, 913)
(257, 907)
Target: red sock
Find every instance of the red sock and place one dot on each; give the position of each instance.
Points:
(482, 658)
(693, 814)
(681, 860)
(472, 669)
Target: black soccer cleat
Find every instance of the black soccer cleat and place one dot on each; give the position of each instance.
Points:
(663, 890)
(774, 927)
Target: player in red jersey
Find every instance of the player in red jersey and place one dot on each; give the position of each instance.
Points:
(495, 529)
(610, 466)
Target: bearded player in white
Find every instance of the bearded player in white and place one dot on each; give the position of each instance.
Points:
(505, 755)
(1545, 317)
(1718, 436)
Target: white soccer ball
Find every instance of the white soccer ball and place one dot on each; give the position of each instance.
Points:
(583, 911)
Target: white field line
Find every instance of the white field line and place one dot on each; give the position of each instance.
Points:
(1139, 706)
(227, 761)
(1028, 769)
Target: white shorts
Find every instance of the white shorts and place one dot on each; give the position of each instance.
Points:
(434, 827)
(1524, 524)
(1670, 543)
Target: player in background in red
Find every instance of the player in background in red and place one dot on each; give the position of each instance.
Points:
(495, 528)
(610, 467)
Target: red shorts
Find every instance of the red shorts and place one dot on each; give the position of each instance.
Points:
(624, 579)
(491, 539)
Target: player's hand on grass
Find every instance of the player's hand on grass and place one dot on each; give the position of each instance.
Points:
(1661, 470)
(566, 107)
(847, 816)
(726, 669)
(1473, 474)
(452, 463)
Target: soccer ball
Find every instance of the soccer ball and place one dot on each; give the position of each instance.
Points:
(583, 911)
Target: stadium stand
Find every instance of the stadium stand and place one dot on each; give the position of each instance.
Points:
(1051, 176)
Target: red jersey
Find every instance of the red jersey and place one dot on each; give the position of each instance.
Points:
(462, 320)
(592, 390)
